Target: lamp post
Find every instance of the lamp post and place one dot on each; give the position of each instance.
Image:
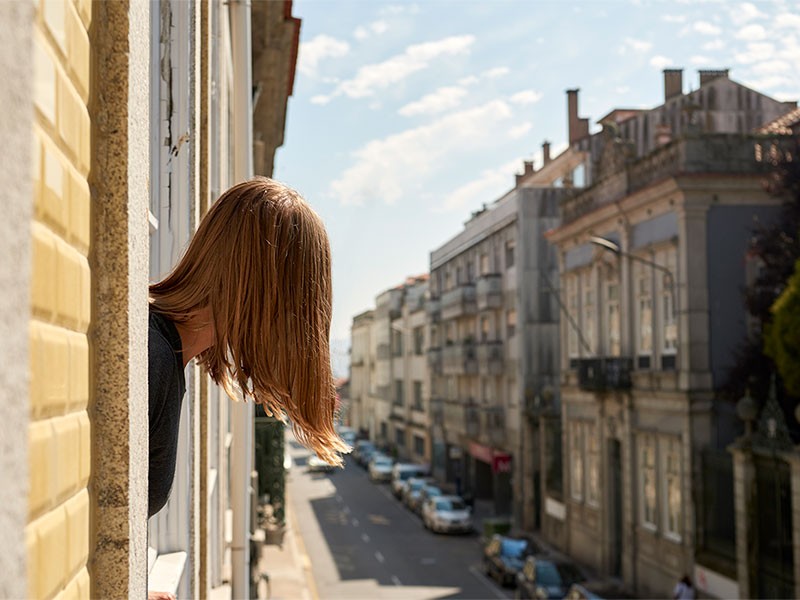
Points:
(615, 249)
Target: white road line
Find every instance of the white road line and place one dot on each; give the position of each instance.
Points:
(396, 580)
(482, 578)
(355, 522)
(379, 556)
(346, 510)
(365, 538)
(338, 498)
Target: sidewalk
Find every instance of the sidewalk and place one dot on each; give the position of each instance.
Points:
(288, 566)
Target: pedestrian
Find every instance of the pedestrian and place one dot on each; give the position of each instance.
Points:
(684, 590)
(251, 301)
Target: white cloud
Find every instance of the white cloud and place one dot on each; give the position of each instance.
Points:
(787, 20)
(713, 45)
(469, 80)
(623, 89)
(318, 49)
(526, 97)
(495, 72)
(660, 62)
(769, 82)
(703, 28)
(370, 78)
(488, 186)
(771, 67)
(520, 130)
(399, 9)
(700, 60)
(634, 45)
(673, 18)
(755, 52)
(382, 166)
(376, 27)
(742, 13)
(751, 33)
(320, 99)
(440, 100)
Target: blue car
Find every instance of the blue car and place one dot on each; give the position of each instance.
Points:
(504, 557)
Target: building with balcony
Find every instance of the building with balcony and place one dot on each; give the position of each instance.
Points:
(493, 332)
(652, 259)
(362, 366)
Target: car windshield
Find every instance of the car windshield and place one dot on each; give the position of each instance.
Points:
(433, 491)
(383, 462)
(415, 485)
(450, 505)
(406, 475)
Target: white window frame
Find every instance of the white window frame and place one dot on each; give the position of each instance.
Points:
(576, 461)
(672, 498)
(643, 280)
(668, 317)
(592, 461)
(648, 488)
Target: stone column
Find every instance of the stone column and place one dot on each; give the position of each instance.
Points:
(119, 106)
(743, 484)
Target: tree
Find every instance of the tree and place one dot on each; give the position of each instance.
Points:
(782, 335)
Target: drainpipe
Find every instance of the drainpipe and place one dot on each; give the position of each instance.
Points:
(241, 412)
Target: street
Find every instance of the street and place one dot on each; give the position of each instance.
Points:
(363, 543)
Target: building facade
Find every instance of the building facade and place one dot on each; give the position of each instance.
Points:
(652, 258)
(120, 118)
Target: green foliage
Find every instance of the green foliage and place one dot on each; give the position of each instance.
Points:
(782, 335)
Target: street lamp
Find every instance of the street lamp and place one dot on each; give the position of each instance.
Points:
(614, 248)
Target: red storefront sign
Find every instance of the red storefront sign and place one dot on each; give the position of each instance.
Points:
(500, 461)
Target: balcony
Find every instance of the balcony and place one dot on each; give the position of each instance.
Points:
(472, 420)
(434, 308)
(459, 302)
(435, 359)
(398, 412)
(491, 360)
(489, 291)
(495, 425)
(460, 359)
(604, 374)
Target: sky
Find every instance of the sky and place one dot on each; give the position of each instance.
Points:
(408, 116)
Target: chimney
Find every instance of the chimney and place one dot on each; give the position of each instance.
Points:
(546, 151)
(711, 74)
(673, 83)
(578, 128)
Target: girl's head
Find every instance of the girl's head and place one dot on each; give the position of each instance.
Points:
(260, 261)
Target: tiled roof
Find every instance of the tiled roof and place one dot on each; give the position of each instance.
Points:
(783, 125)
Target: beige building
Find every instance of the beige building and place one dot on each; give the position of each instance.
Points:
(652, 257)
(362, 367)
(121, 120)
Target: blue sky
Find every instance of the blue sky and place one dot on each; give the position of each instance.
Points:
(407, 116)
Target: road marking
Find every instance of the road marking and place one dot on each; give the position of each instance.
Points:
(428, 561)
(365, 538)
(379, 556)
(482, 578)
(338, 498)
(355, 522)
(346, 510)
(396, 580)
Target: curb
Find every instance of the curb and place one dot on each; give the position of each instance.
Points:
(303, 559)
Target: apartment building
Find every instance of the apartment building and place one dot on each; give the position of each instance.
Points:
(120, 140)
(652, 258)
(362, 369)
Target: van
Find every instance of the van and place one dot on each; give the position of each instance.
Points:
(402, 472)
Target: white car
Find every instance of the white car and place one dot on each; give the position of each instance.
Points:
(317, 465)
(402, 472)
(447, 514)
(380, 468)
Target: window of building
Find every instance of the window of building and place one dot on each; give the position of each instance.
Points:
(384, 430)
(397, 343)
(511, 323)
(513, 392)
(419, 340)
(450, 334)
(417, 395)
(470, 272)
(644, 315)
(647, 467)
(588, 323)
(484, 264)
(576, 460)
(419, 445)
(668, 293)
(399, 399)
(510, 247)
(484, 329)
(459, 276)
(592, 465)
(400, 437)
(573, 348)
(613, 318)
(452, 388)
(672, 488)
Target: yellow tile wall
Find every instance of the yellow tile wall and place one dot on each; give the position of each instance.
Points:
(60, 431)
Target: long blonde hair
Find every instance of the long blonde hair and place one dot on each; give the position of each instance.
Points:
(261, 261)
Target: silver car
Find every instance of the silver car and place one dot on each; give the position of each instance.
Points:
(380, 468)
(447, 514)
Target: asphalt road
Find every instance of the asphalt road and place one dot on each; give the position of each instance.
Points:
(364, 544)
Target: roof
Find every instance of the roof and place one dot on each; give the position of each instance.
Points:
(784, 125)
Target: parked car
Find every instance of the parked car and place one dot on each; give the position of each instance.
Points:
(411, 489)
(547, 577)
(504, 557)
(447, 514)
(348, 435)
(361, 449)
(427, 491)
(380, 467)
(597, 590)
(401, 472)
(316, 465)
